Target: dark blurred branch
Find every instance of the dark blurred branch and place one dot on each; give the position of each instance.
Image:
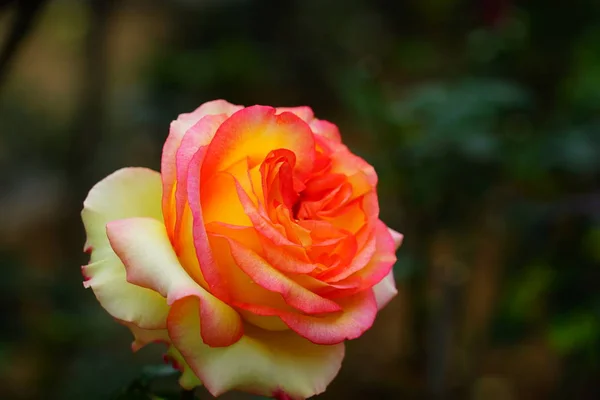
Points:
(27, 11)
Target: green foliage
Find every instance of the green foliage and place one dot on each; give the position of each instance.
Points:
(575, 332)
(527, 292)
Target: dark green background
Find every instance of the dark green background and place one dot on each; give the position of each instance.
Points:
(481, 118)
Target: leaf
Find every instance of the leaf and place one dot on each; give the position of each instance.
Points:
(574, 332)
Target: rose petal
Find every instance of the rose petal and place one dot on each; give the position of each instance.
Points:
(397, 237)
(385, 290)
(378, 267)
(129, 192)
(269, 278)
(358, 315)
(288, 259)
(196, 136)
(143, 246)
(344, 162)
(123, 300)
(255, 131)
(205, 258)
(220, 201)
(326, 129)
(261, 362)
(143, 337)
(240, 285)
(304, 112)
(263, 225)
(188, 379)
(178, 129)
(360, 260)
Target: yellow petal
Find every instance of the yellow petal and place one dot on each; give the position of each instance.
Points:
(143, 246)
(129, 192)
(262, 362)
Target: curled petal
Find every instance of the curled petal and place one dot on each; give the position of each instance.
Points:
(269, 278)
(144, 247)
(129, 192)
(360, 260)
(254, 132)
(358, 315)
(377, 268)
(282, 257)
(262, 362)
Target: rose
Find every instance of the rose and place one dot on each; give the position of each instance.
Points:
(253, 254)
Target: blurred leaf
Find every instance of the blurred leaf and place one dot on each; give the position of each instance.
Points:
(528, 289)
(575, 150)
(460, 117)
(582, 86)
(485, 45)
(574, 332)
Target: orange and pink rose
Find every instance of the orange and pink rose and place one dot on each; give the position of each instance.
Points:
(254, 253)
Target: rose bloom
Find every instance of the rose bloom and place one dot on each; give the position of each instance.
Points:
(254, 254)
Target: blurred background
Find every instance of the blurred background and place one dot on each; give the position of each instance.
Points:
(481, 118)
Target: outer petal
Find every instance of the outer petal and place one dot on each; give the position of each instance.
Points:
(129, 192)
(385, 290)
(397, 237)
(142, 337)
(215, 107)
(304, 112)
(178, 129)
(326, 129)
(123, 300)
(206, 259)
(262, 362)
(188, 379)
(144, 247)
(197, 136)
(358, 314)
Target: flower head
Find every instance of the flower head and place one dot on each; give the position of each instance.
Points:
(254, 254)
